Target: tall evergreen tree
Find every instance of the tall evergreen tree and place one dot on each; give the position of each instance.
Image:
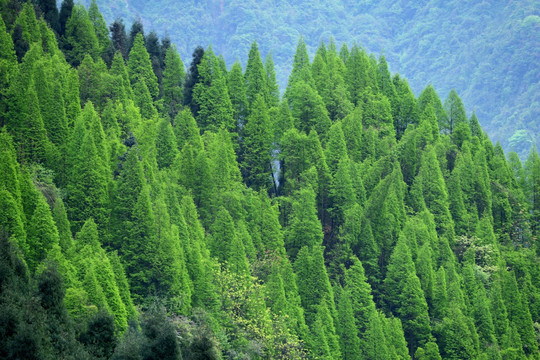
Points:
(257, 156)
(80, 36)
(192, 78)
(42, 233)
(305, 228)
(255, 77)
(119, 37)
(129, 183)
(455, 112)
(140, 67)
(236, 84)
(65, 12)
(430, 187)
(308, 109)
(429, 97)
(301, 70)
(210, 94)
(405, 297)
(87, 187)
(102, 32)
(271, 82)
(173, 80)
(165, 144)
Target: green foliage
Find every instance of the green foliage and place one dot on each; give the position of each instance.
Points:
(257, 158)
(140, 67)
(236, 85)
(308, 109)
(80, 36)
(405, 297)
(173, 79)
(215, 242)
(211, 95)
(87, 188)
(255, 76)
(165, 144)
(304, 228)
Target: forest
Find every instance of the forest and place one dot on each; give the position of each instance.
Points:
(152, 210)
(487, 50)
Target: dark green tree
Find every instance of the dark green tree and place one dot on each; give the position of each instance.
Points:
(192, 78)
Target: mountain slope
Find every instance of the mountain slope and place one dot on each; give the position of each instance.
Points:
(487, 51)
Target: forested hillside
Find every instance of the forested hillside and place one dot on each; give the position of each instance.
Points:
(487, 50)
(151, 210)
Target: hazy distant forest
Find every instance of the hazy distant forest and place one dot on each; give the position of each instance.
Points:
(155, 210)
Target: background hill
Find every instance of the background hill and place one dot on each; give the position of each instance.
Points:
(487, 50)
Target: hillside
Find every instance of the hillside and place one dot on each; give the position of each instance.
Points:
(151, 210)
(487, 51)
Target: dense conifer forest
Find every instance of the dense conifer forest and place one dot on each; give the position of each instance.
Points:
(487, 50)
(151, 210)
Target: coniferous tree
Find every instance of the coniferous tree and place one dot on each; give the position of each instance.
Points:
(65, 12)
(429, 185)
(140, 67)
(307, 109)
(157, 56)
(51, 103)
(301, 70)
(119, 37)
(271, 82)
(236, 84)
(25, 124)
(356, 75)
(257, 143)
(455, 112)
(210, 94)
(404, 106)
(255, 77)
(87, 187)
(80, 36)
(62, 224)
(42, 233)
(29, 26)
(405, 297)
(12, 221)
(8, 62)
(173, 79)
(136, 29)
(192, 78)
(102, 32)
(342, 194)
(165, 144)
(304, 228)
(429, 97)
(518, 313)
(129, 183)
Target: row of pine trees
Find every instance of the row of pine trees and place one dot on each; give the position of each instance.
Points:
(149, 211)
